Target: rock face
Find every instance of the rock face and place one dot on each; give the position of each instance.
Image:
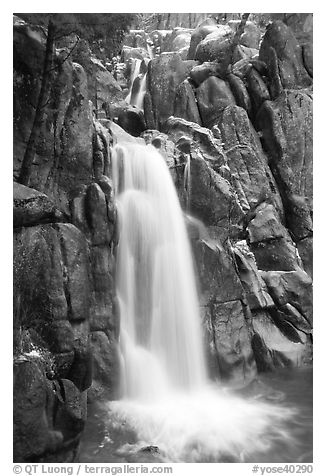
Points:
(165, 74)
(238, 143)
(280, 45)
(63, 256)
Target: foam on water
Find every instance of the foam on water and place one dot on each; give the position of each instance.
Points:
(167, 398)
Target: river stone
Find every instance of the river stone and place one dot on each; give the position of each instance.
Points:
(213, 95)
(165, 73)
(185, 104)
(291, 70)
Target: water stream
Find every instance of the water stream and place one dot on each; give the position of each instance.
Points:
(167, 400)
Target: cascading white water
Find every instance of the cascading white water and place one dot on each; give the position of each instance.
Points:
(139, 99)
(134, 73)
(167, 399)
(160, 324)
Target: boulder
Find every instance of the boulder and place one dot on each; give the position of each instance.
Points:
(251, 35)
(291, 287)
(270, 241)
(185, 105)
(201, 72)
(165, 73)
(273, 349)
(132, 120)
(213, 95)
(32, 207)
(200, 138)
(205, 28)
(216, 46)
(102, 86)
(291, 71)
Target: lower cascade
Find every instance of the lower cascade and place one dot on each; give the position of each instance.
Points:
(167, 398)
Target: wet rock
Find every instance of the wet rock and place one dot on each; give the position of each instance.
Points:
(273, 349)
(213, 95)
(200, 137)
(286, 125)
(72, 410)
(216, 46)
(106, 365)
(257, 88)
(165, 74)
(253, 284)
(294, 288)
(58, 335)
(205, 28)
(270, 241)
(32, 207)
(102, 315)
(97, 215)
(76, 260)
(201, 72)
(185, 105)
(231, 338)
(240, 92)
(291, 70)
(211, 197)
(251, 175)
(251, 35)
(132, 120)
(33, 432)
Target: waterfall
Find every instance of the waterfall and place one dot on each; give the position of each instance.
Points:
(135, 72)
(167, 400)
(160, 323)
(139, 98)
